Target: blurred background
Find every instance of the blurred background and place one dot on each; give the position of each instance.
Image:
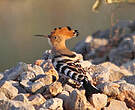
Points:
(20, 19)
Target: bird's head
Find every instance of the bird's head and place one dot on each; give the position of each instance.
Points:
(59, 35)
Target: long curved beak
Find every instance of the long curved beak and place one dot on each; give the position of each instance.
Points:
(38, 35)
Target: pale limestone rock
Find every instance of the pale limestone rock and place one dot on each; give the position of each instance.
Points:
(63, 95)
(46, 80)
(100, 74)
(26, 76)
(127, 94)
(116, 105)
(52, 104)
(130, 66)
(14, 72)
(129, 79)
(14, 105)
(8, 89)
(2, 96)
(55, 88)
(77, 101)
(50, 70)
(36, 70)
(33, 87)
(115, 73)
(109, 88)
(21, 97)
(68, 88)
(37, 87)
(26, 84)
(36, 100)
(98, 100)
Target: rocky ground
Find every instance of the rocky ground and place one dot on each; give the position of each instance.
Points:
(110, 64)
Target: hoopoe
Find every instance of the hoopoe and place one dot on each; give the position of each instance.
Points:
(64, 60)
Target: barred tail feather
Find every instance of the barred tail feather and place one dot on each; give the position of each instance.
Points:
(90, 89)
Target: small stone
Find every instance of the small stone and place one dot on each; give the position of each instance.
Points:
(36, 99)
(68, 88)
(127, 94)
(14, 105)
(100, 74)
(37, 87)
(37, 70)
(77, 101)
(63, 95)
(26, 76)
(116, 105)
(52, 71)
(33, 87)
(130, 66)
(55, 88)
(2, 96)
(124, 52)
(109, 88)
(98, 100)
(14, 72)
(21, 97)
(8, 89)
(46, 80)
(115, 73)
(129, 79)
(52, 104)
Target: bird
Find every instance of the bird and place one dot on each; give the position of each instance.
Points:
(66, 61)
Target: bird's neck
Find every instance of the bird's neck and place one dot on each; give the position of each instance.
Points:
(61, 49)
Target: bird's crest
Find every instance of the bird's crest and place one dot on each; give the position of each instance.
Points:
(65, 32)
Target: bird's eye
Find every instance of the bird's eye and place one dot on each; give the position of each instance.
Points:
(55, 37)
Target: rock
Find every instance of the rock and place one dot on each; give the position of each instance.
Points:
(114, 72)
(83, 47)
(33, 87)
(68, 88)
(37, 87)
(116, 105)
(48, 68)
(14, 72)
(21, 97)
(26, 76)
(52, 104)
(8, 89)
(129, 79)
(77, 101)
(130, 66)
(2, 96)
(55, 88)
(15, 105)
(100, 74)
(26, 85)
(88, 46)
(120, 90)
(98, 100)
(46, 80)
(63, 95)
(125, 51)
(37, 70)
(36, 100)
(31, 73)
(109, 88)
(47, 54)
(127, 94)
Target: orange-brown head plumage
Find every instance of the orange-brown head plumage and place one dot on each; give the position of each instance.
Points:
(58, 37)
(64, 32)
